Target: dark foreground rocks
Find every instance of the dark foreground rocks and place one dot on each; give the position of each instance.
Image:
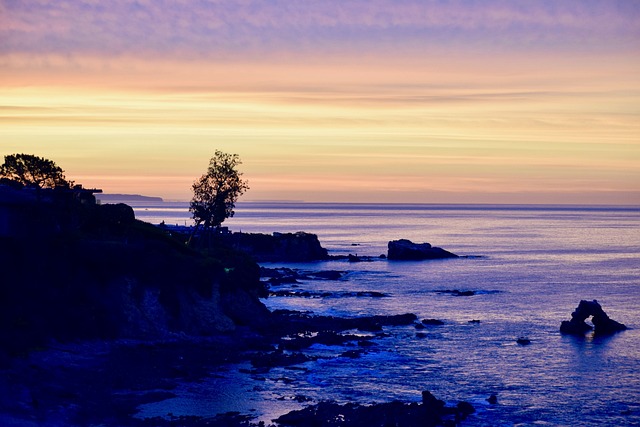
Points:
(602, 324)
(430, 412)
(406, 250)
(284, 275)
(295, 322)
(104, 382)
(100, 313)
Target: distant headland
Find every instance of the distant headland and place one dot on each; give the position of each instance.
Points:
(113, 198)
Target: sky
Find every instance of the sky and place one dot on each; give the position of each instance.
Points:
(380, 101)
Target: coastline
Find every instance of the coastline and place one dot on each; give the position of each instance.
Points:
(121, 313)
(106, 382)
(427, 354)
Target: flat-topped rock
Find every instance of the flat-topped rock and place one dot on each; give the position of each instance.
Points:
(278, 247)
(404, 249)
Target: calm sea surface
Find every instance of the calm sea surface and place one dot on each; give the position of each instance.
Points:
(529, 267)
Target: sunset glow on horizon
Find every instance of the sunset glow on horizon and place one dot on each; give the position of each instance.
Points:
(410, 101)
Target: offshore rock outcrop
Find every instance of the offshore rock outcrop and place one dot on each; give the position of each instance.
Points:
(286, 247)
(293, 322)
(404, 249)
(602, 324)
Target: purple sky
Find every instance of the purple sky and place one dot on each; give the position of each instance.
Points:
(237, 28)
(376, 100)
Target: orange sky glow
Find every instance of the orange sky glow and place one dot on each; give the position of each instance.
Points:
(534, 104)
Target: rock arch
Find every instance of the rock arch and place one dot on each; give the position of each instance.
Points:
(602, 324)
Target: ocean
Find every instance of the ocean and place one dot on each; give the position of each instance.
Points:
(528, 267)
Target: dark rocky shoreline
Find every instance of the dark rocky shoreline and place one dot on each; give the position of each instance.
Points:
(101, 313)
(103, 382)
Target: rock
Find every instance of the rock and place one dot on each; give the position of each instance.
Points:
(465, 409)
(294, 322)
(291, 293)
(523, 341)
(278, 358)
(493, 399)
(432, 322)
(352, 354)
(603, 325)
(279, 276)
(300, 398)
(314, 294)
(574, 328)
(370, 326)
(287, 247)
(282, 280)
(323, 337)
(432, 407)
(367, 294)
(430, 413)
(278, 272)
(464, 293)
(115, 277)
(456, 292)
(404, 249)
(244, 308)
(327, 275)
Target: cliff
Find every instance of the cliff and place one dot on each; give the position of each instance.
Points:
(107, 275)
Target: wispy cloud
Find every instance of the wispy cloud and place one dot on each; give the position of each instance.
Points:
(210, 27)
(417, 95)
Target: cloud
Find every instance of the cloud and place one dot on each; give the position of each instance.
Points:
(257, 27)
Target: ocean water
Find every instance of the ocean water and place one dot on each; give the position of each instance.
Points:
(529, 266)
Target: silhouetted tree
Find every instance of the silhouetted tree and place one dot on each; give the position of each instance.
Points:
(216, 192)
(34, 171)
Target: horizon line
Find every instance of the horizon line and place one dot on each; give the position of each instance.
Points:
(127, 196)
(303, 202)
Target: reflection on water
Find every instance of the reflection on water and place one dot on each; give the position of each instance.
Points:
(536, 264)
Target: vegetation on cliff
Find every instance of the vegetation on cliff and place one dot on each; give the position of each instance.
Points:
(82, 273)
(80, 270)
(216, 192)
(30, 170)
